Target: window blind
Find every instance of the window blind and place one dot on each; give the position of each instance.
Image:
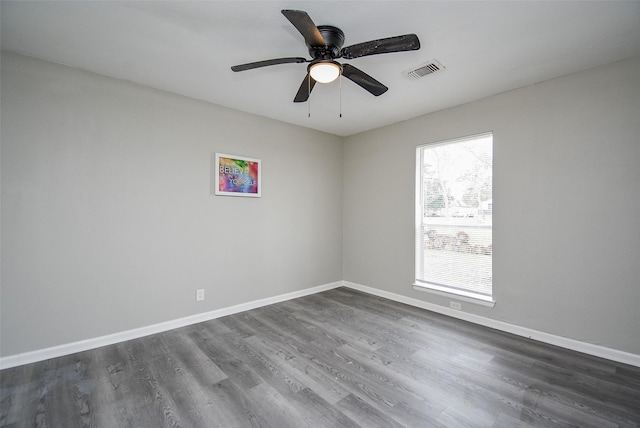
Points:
(454, 221)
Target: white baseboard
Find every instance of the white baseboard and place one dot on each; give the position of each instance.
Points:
(85, 345)
(575, 345)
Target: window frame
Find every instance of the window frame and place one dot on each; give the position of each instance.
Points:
(430, 287)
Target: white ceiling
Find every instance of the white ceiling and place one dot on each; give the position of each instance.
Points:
(187, 48)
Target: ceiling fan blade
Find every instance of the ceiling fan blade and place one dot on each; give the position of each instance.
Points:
(258, 64)
(303, 23)
(407, 42)
(361, 78)
(305, 89)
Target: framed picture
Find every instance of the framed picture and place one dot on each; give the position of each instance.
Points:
(237, 176)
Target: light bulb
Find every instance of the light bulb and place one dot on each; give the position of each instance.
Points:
(325, 72)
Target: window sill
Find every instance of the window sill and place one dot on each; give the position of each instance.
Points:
(465, 296)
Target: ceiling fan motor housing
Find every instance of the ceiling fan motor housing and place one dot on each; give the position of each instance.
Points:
(334, 39)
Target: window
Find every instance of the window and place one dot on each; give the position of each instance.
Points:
(454, 205)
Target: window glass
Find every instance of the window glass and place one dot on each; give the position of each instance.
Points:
(454, 207)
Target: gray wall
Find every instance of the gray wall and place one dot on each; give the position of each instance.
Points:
(566, 204)
(108, 221)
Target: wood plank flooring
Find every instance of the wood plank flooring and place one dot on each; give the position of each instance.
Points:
(340, 358)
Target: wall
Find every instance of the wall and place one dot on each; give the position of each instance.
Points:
(108, 221)
(566, 204)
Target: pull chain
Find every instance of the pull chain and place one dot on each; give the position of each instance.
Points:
(340, 94)
(309, 95)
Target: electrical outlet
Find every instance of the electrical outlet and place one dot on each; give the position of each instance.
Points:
(199, 294)
(455, 305)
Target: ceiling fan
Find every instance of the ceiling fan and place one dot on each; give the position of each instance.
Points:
(325, 46)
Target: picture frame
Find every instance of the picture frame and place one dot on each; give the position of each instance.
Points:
(237, 176)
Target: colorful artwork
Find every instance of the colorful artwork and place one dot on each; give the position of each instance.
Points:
(237, 176)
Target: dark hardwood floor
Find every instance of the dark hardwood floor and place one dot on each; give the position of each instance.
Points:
(340, 358)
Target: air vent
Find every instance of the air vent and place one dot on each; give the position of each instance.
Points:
(423, 70)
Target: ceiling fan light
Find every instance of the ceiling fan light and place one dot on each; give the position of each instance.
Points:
(325, 72)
